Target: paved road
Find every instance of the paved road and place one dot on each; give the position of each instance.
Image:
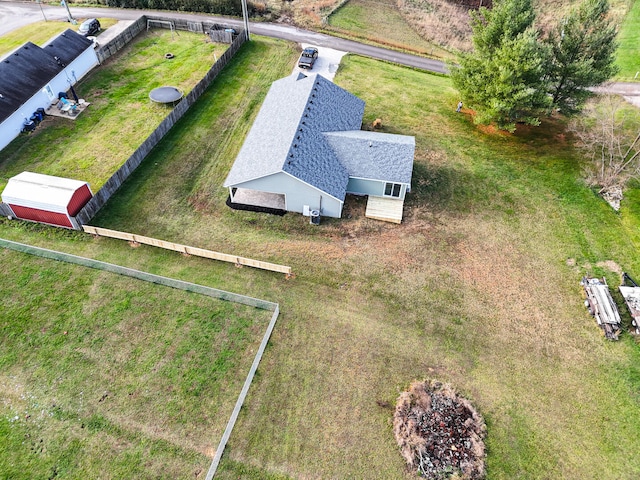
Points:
(16, 14)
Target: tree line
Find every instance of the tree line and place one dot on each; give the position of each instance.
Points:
(220, 7)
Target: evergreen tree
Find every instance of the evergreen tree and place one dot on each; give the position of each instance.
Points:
(583, 54)
(504, 77)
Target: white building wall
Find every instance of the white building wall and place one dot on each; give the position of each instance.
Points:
(73, 72)
(297, 194)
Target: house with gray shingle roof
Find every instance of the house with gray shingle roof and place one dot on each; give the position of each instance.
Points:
(305, 152)
(31, 77)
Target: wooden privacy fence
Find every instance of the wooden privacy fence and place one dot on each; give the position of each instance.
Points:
(101, 197)
(176, 247)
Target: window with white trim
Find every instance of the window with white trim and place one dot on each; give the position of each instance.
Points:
(47, 90)
(392, 189)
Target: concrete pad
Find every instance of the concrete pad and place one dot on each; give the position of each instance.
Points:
(327, 62)
(53, 111)
(112, 32)
(259, 199)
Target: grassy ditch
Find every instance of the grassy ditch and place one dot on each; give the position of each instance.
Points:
(92, 147)
(110, 376)
(383, 24)
(478, 287)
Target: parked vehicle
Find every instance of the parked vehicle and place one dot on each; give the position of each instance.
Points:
(308, 58)
(89, 27)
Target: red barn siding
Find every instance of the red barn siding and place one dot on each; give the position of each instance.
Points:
(43, 216)
(78, 200)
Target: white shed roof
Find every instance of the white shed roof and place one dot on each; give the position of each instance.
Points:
(43, 192)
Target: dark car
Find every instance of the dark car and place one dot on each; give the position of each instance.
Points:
(89, 27)
(308, 58)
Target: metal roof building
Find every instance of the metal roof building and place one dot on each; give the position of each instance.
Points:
(46, 199)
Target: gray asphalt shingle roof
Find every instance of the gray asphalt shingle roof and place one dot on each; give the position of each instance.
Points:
(287, 134)
(29, 68)
(67, 46)
(310, 128)
(373, 155)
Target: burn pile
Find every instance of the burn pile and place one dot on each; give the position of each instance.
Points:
(440, 434)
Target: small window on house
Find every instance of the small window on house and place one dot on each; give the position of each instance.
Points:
(392, 189)
(47, 90)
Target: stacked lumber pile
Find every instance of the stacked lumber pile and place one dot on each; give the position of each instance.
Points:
(602, 306)
(631, 295)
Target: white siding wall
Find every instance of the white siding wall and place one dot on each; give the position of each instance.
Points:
(361, 186)
(12, 126)
(297, 194)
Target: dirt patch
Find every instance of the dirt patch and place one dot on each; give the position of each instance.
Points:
(440, 434)
(610, 265)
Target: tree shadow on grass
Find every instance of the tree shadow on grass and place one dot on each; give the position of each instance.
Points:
(446, 189)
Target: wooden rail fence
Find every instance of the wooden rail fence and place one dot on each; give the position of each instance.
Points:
(176, 247)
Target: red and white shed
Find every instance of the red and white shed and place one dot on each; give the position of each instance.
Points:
(46, 199)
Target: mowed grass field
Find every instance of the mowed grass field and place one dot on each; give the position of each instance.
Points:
(628, 55)
(93, 146)
(104, 376)
(478, 287)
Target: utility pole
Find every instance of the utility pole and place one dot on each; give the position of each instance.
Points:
(245, 15)
(43, 15)
(64, 4)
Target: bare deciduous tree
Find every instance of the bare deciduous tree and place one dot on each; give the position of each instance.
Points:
(610, 141)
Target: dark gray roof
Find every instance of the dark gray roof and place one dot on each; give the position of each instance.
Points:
(67, 46)
(287, 134)
(374, 155)
(29, 68)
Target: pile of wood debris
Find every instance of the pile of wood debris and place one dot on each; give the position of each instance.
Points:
(602, 306)
(630, 291)
(440, 434)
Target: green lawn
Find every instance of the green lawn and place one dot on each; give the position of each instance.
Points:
(478, 287)
(92, 147)
(106, 376)
(39, 33)
(628, 58)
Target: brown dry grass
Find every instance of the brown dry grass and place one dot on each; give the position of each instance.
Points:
(441, 22)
